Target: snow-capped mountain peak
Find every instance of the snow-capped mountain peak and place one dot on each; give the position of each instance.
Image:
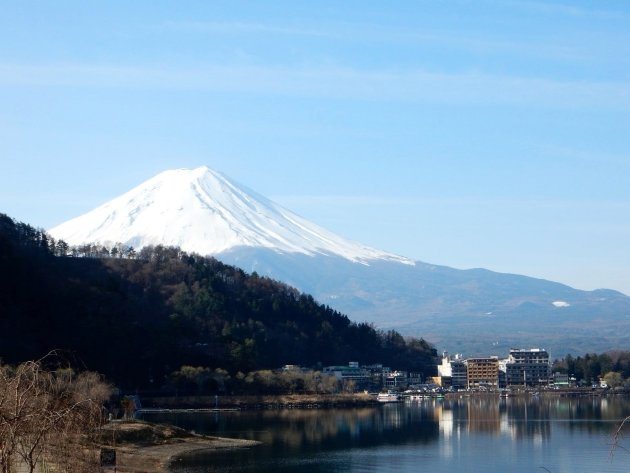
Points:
(204, 211)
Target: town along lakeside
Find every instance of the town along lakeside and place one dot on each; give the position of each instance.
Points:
(528, 370)
(525, 375)
(523, 372)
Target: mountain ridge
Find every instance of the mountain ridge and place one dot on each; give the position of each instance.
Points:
(474, 310)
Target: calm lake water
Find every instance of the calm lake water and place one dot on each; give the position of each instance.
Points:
(436, 436)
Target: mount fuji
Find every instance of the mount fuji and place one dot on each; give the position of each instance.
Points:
(473, 311)
(205, 212)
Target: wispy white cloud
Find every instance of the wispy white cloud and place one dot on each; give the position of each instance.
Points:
(245, 27)
(367, 33)
(330, 82)
(598, 157)
(568, 9)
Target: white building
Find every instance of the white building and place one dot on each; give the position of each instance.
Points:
(452, 371)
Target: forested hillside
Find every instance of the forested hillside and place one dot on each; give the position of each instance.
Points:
(139, 317)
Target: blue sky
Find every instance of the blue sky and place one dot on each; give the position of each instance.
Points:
(478, 133)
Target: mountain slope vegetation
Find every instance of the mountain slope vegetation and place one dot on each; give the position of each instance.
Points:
(139, 317)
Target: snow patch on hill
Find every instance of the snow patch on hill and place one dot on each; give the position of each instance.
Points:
(561, 304)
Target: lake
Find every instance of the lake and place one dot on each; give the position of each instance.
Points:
(472, 434)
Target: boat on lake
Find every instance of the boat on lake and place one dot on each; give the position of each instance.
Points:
(389, 396)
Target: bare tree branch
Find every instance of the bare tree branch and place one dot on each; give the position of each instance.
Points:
(47, 417)
(617, 436)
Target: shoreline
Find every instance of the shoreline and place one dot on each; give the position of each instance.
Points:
(143, 446)
(234, 403)
(328, 401)
(160, 458)
(147, 447)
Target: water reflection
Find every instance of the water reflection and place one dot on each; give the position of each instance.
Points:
(318, 429)
(518, 418)
(450, 432)
(304, 439)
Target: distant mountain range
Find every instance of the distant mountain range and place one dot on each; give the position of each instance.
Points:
(473, 311)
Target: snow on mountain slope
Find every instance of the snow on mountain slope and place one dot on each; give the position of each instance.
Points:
(203, 211)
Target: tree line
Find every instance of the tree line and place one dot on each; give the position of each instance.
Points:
(613, 367)
(196, 380)
(37, 239)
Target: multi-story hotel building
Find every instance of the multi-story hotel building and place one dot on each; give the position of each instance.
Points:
(528, 367)
(483, 372)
